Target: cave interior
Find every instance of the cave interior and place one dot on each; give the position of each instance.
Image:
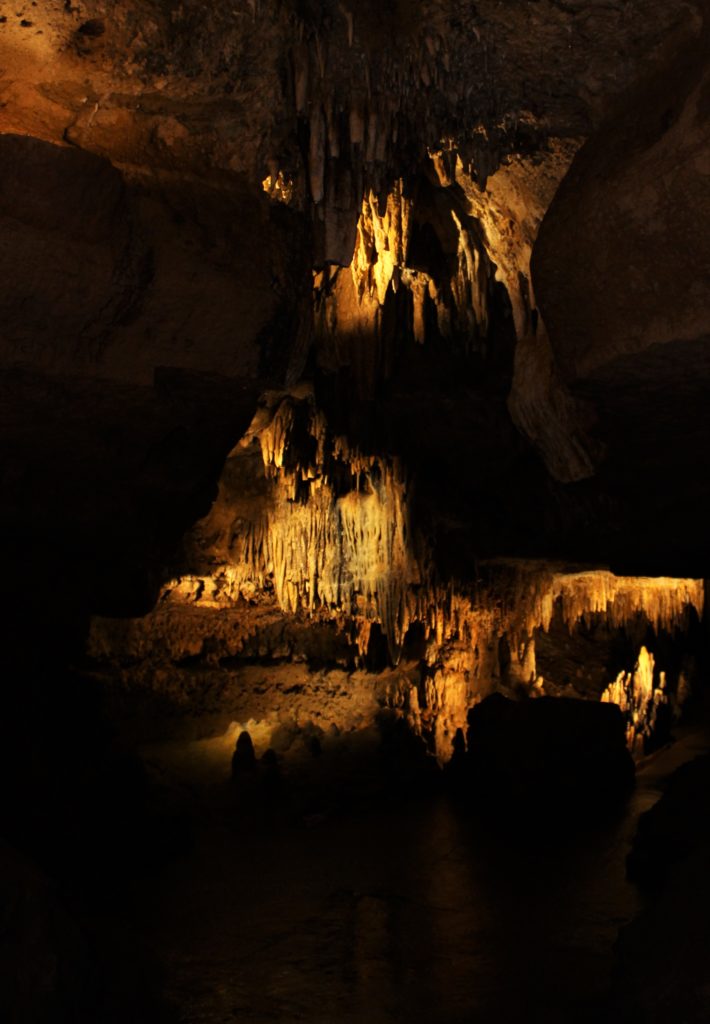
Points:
(354, 392)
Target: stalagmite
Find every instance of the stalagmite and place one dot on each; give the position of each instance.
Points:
(640, 699)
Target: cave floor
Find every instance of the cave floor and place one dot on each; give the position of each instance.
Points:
(400, 908)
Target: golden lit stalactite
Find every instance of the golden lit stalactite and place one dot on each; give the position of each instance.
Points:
(349, 307)
(495, 225)
(470, 285)
(349, 303)
(454, 621)
(509, 210)
(664, 601)
(381, 243)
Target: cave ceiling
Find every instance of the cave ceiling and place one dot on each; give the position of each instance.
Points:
(201, 200)
(198, 86)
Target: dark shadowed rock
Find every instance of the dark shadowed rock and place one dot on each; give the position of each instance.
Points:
(47, 971)
(243, 758)
(662, 959)
(551, 753)
(620, 270)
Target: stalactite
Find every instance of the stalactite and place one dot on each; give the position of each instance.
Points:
(327, 533)
(665, 602)
(300, 67)
(357, 126)
(350, 319)
(345, 553)
(316, 156)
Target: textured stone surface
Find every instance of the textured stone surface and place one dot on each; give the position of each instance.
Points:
(175, 256)
(113, 277)
(621, 266)
(621, 274)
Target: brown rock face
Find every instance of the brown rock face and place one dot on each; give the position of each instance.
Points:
(621, 272)
(621, 264)
(114, 277)
(107, 279)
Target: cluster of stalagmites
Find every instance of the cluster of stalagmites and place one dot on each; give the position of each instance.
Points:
(307, 523)
(645, 699)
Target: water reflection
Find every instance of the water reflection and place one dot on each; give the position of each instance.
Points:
(410, 913)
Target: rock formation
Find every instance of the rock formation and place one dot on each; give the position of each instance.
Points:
(307, 529)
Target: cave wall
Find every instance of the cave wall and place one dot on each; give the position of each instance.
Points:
(111, 275)
(620, 272)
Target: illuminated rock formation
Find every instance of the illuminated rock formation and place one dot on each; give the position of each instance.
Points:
(331, 534)
(424, 244)
(307, 529)
(643, 697)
